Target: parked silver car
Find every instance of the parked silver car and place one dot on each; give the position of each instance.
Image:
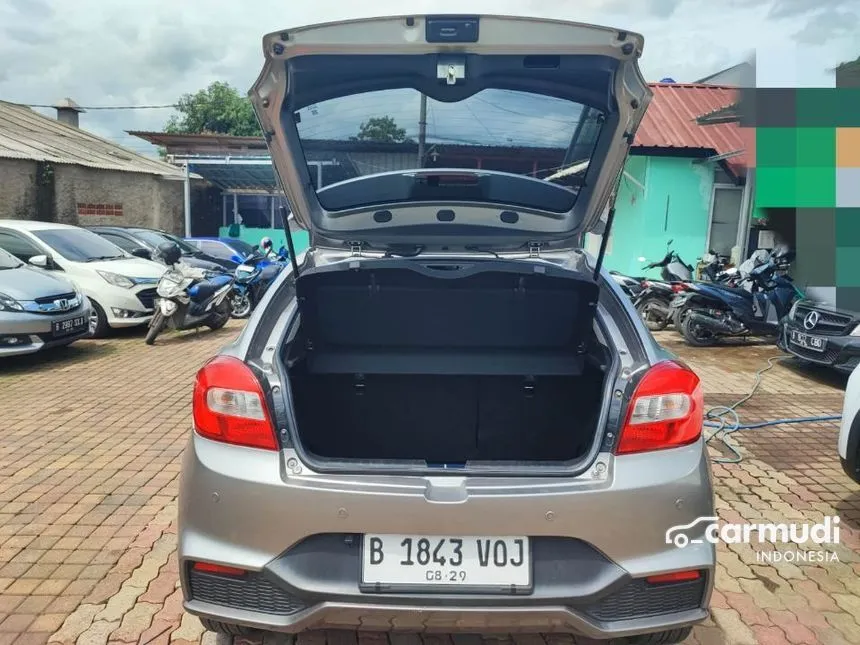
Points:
(38, 309)
(447, 414)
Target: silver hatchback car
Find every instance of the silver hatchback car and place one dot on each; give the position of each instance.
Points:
(447, 415)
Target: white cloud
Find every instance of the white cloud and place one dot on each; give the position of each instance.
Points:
(101, 52)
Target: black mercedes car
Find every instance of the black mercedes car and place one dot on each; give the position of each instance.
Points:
(136, 239)
(820, 333)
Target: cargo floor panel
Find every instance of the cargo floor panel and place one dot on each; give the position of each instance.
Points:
(446, 419)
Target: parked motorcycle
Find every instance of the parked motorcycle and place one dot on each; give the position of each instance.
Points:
(252, 279)
(715, 271)
(653, 301)
(188, 297)
(631, 286)
(714, 267)
(715, 311)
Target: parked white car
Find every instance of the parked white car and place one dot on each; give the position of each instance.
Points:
(849, 432)
(120, 286)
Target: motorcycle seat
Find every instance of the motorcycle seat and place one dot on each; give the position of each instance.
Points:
(205, 288)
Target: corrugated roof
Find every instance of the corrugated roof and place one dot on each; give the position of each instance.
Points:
(25, 134)
(670, 121)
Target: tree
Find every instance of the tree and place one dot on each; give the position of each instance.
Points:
(218, 109)
(382, 129)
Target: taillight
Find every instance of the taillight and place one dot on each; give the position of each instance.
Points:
(665, 412)
(229, 405)
(678, 288)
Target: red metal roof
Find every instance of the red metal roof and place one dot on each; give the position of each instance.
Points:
(670, 121)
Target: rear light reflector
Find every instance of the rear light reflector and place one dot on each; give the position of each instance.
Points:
(665, 411)
(229, 405)
(218, 569)
(678, 288)
(678, 576)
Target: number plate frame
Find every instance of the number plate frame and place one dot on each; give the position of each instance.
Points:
(802, 340)
(447, 589)
(79, 324)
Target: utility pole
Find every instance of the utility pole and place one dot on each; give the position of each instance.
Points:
(422, 130)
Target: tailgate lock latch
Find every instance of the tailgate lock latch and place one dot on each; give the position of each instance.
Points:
(534, 249)
(451, 69)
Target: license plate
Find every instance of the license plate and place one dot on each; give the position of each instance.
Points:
(70, 326)
(416, 562)
(815, 343)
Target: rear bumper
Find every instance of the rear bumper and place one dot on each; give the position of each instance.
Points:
(841, 353)
(334, 615)
(593, 542)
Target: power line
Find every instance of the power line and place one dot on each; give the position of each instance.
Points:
(106, 107)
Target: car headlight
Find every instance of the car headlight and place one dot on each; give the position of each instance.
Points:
(856, 331)
(117, 280)
(8, 303)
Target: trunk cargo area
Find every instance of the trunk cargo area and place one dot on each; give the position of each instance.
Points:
(446, 363)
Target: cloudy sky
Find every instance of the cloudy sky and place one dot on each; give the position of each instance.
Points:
(149, 52)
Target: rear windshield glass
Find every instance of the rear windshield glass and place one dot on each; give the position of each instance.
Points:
(391, 130)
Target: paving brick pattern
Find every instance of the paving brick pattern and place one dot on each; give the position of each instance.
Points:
(90, 441)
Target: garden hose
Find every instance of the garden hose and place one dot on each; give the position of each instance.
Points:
(726, 421)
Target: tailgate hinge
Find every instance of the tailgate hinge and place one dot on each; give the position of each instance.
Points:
(534, 249)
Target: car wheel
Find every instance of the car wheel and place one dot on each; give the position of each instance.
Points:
(98, 320)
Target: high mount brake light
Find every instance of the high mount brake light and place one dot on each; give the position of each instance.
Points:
(665, 411)
(229, 405)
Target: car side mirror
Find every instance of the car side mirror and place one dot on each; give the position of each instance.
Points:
(41, 261)
(142, 253)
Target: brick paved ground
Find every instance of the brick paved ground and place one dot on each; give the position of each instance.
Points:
(87, 499)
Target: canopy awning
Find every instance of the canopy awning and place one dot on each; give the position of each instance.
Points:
(247, 174)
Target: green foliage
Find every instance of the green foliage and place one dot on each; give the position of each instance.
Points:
(382, 129)
(218, 109)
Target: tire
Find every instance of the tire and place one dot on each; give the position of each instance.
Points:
(688, 331)
(98, 321)
(232, 630)
(220, 318)
(240, 305)
(155, 327)
(679, 315)
(644, 308)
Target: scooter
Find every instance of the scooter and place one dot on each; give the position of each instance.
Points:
(188, 297)
(631, 286)
(653, 301)
(252, 278)
(715, 311)
(713, 270)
